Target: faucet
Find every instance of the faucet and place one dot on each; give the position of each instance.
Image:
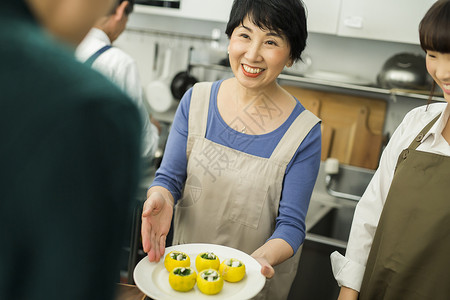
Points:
(331, 170)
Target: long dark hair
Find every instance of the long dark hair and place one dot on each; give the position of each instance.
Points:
(434, 31)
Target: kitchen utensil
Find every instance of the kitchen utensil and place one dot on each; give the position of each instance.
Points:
(405, 71)
(155, 58)
(158, 92)
(183, 81)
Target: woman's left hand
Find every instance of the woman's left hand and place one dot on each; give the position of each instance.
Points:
(272, 253)
(266, 269)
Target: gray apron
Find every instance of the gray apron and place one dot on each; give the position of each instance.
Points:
(230, 197)
(410, 255)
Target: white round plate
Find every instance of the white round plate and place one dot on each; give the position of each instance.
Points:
(153, 279)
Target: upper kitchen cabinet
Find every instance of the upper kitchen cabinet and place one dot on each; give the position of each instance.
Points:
(323, 15)
(210, 10)
(387, 20)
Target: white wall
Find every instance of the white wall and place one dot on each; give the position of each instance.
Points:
(360, 57)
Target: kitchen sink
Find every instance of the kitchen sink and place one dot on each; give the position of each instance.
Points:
(314, 279)
(349, 183)
(328, 224)
(335, 224)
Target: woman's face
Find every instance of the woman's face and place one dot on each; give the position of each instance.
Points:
(257, 56)
(438, 65)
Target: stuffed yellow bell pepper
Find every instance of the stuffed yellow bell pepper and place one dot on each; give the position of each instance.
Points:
(176, 259)
(182, 279)
(232, 270)
(207, 260)
(209, 282)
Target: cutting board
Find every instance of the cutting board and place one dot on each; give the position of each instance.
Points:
(352, 126)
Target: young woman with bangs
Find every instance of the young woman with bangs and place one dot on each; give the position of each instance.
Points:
(400, 237)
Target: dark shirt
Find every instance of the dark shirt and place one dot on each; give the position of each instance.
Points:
(69, 157)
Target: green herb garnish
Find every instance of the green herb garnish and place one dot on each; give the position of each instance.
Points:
(210, 274)
(182, 271)
(178, 256)
(208, 255)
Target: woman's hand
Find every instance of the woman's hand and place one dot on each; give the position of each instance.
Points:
(266, 269)
(348, 294)
(156, 218)
(272, 253)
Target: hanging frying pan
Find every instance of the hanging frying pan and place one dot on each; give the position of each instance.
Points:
(183, 81)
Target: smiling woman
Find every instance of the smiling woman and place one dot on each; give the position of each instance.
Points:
(399, 243)
(279, 17)
(258, 53)
(251, 145)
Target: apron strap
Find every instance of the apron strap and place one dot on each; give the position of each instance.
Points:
(94, 56)
(294, 136)
(416, 142)
(198, 111)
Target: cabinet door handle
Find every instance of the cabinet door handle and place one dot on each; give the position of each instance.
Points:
(354, 22)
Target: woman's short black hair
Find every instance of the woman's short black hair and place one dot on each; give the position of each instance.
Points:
(285, 17)
(434, 29)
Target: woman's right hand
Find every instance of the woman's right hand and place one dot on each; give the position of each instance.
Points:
(348, 294)
(156, 218)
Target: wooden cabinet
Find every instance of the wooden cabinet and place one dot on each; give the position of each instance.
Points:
(210, 10)
(352, 127)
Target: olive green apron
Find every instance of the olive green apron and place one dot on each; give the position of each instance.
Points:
(410, 255)
(230, 197)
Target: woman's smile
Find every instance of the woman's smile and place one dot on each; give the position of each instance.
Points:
(251, 71)
(438, 65)
(446, 88)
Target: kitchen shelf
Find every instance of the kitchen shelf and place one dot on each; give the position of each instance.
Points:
(343, 87)
(155, 32)
(369, 89)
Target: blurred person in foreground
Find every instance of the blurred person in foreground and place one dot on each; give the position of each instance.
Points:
(96, 50)
(69, 156)
(400, 237)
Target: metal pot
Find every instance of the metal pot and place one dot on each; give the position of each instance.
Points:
(405, 71)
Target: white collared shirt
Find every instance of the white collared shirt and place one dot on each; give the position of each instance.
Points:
(349, 270)
(121, 69)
